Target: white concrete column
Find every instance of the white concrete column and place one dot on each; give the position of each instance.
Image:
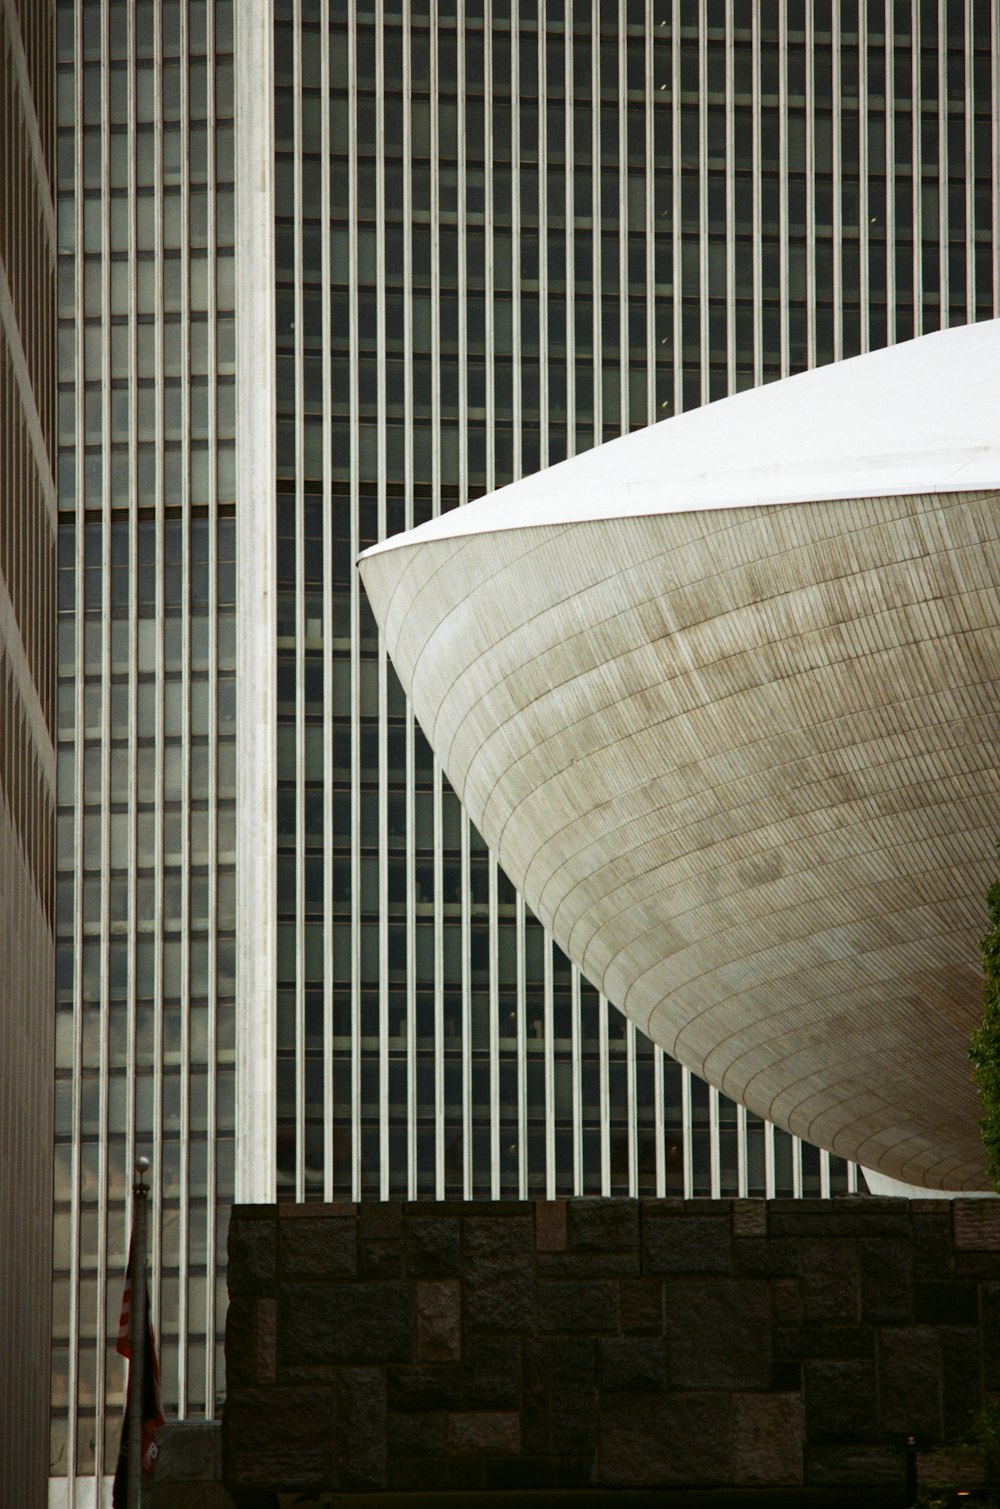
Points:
(256, 791)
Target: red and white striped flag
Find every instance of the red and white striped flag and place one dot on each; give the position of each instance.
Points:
(152, 1406)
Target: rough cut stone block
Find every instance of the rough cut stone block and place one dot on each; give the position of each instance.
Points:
(931, 1245)
(565, 1305)
(318, 1248)
(632, 1364)
(910, 1381)
(380, 1218)
(188, 1451)
(829, 1279)
(439, 1320)
(361, 1428)
(415, 1434)
(489, 1433)
(253, 1255)
(977, 1224)
(666, 1440)
(718, 1334)
(346, 1323)
(574, 1396)
(605, 1225)
(492, 1372)
(378, 1259)
(952, 1303)
(851, 1466)
(640, 1302)
(819, 1340)
(516, 1475)
(589, 1264)
(535, 1396)
(977, 1265)
(550, 1226)
(766, 1257)
(841, 1402)
(280, 1437)
(433, 1248)
(241, 1340)
(961, 1371)
(424, 1386)
(786, 1301)
(697, 1244)
(749, 1218)
(886, 1281)
(267, 1340)
(499, 1274)
(767, 1440)
(991, 1335)
(848, 1216)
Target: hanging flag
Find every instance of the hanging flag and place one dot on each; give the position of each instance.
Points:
(152, 1407)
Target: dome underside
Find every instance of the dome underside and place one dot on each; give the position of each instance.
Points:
(742, 763)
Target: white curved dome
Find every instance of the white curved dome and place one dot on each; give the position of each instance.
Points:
(741, 758)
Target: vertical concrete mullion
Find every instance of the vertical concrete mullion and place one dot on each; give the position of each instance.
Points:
(631, 1109)
(355, 620)
(577, 1062)
(522, 1055)
(183, 1305)
(300, 624)
(838, 185)
(596, 276)
(603, 1091)
(890, 176)
(917, 172)
(864, 284)
(758, 325)
(213, 723)
(329, 505)
(703, 253)
(676, 215)
(412, 1107)
(730, 263)
(784, 355)
(105, 742)
(944, 270)
(970, 182)
(659, 1119)
(255, 609)
(810, 101)
(383, 665)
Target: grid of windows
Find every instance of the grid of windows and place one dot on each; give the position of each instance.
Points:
(145, 1009)
(503, 233)
(27, 725)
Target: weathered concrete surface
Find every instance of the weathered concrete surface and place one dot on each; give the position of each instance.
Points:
(592, 1345)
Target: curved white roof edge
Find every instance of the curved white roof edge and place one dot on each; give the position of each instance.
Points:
(921, 417)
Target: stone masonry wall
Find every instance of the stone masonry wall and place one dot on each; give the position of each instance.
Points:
(603, 1343)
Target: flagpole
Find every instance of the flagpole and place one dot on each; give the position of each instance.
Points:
(137, 1329)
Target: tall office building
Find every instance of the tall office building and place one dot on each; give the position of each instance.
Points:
(470, 239)
(27, 734)
(146, 656)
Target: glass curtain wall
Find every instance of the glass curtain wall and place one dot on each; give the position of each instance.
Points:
(505, 232)
(146, 697)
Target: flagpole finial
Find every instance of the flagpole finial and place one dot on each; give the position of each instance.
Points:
(141, 1166)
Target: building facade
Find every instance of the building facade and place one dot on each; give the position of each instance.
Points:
(145, 998)
(469, 241)
(27, 733)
